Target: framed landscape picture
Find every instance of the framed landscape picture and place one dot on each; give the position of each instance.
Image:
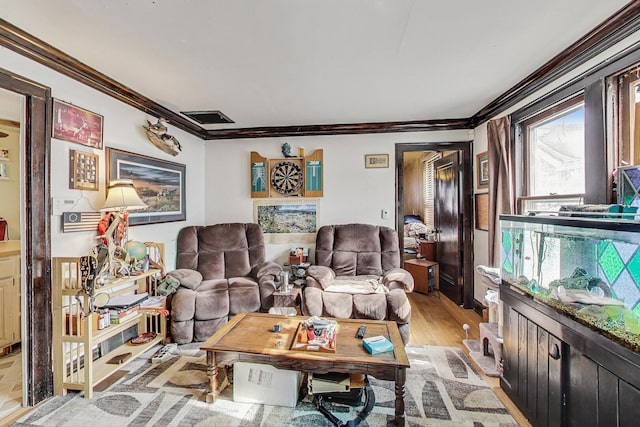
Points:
(75, 124)
(287, 220)
(160, 184)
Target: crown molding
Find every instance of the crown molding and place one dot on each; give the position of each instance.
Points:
(38, 50)
(618, 26)
(613, 30)
(340, 129)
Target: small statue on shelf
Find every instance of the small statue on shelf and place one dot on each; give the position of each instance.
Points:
(286, 150)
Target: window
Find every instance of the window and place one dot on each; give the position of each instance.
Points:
(553, 153)
(429, 190)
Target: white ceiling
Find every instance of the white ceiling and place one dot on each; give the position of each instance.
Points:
(303, 62)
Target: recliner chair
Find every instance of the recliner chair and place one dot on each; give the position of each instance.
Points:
(357, 274)
(222, 272)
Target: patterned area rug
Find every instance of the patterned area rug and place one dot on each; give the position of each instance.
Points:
(443, 389)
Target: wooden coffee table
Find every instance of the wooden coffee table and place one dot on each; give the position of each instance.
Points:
(248, 337)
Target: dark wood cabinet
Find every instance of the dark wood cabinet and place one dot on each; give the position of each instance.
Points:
(561, 373)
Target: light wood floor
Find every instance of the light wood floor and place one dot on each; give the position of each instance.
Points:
(436, 320)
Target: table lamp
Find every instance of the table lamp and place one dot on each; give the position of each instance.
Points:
(121, 198)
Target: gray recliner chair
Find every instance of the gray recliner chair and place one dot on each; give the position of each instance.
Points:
(222, 272)
(357, 275)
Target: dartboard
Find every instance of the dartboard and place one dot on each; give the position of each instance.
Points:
(286, 177)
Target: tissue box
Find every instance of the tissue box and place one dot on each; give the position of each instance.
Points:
(377, 344)
(264, 384)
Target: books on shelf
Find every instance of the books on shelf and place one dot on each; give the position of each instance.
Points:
(117, 316)
(377, 344)
(151, 303)
(126, 301)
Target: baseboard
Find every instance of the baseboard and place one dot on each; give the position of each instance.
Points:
(478, 307)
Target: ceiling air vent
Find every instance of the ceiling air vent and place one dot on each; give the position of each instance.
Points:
(207, 117)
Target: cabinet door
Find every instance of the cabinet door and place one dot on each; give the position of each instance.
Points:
(597, 397)
(532, 375)
(10, 313)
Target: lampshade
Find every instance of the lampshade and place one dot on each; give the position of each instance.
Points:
(121, 194)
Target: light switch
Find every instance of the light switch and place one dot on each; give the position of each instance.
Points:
(385, 213)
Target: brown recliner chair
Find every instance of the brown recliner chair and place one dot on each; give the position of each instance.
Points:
(222, 272)
(357, 274)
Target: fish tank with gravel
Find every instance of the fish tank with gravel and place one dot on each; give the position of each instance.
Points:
(585, 268)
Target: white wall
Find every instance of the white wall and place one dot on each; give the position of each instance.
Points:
(218, 173)
(122, 130)
(481, 238)
(351, 192)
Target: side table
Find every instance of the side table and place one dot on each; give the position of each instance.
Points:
(419, 269)
(292, 298)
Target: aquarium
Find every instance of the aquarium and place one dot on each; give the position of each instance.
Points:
(586, 268)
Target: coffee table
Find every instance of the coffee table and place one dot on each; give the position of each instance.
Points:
(248, 337)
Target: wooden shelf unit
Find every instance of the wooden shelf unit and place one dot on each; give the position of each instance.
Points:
(75, 336)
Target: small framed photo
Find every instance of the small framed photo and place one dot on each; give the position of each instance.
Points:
(4, 154)
(376, 161)
(482, 169)
(75, 124)
(83, 170)
(4, 174)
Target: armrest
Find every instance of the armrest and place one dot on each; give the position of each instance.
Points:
(324, 276)
(266, 269)
(190, 279)
(398, 278)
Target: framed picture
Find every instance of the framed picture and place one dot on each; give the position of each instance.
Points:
(482, 169)
(75, 124)
(160, 184)
(3, 171)
(376, 161)
(287, 220)
(482, 211)
(4, 154)
(83, 170)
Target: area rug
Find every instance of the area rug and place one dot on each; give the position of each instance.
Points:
(442, 389)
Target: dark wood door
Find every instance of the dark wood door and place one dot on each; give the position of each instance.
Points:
(448, 225)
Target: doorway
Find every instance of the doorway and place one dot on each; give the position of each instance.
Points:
(35, 237)
(11, 372)
(461, 281)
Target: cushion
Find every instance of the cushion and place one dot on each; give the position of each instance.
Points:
(357, 285)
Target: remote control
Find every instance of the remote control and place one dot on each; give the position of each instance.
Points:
(361, 331)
